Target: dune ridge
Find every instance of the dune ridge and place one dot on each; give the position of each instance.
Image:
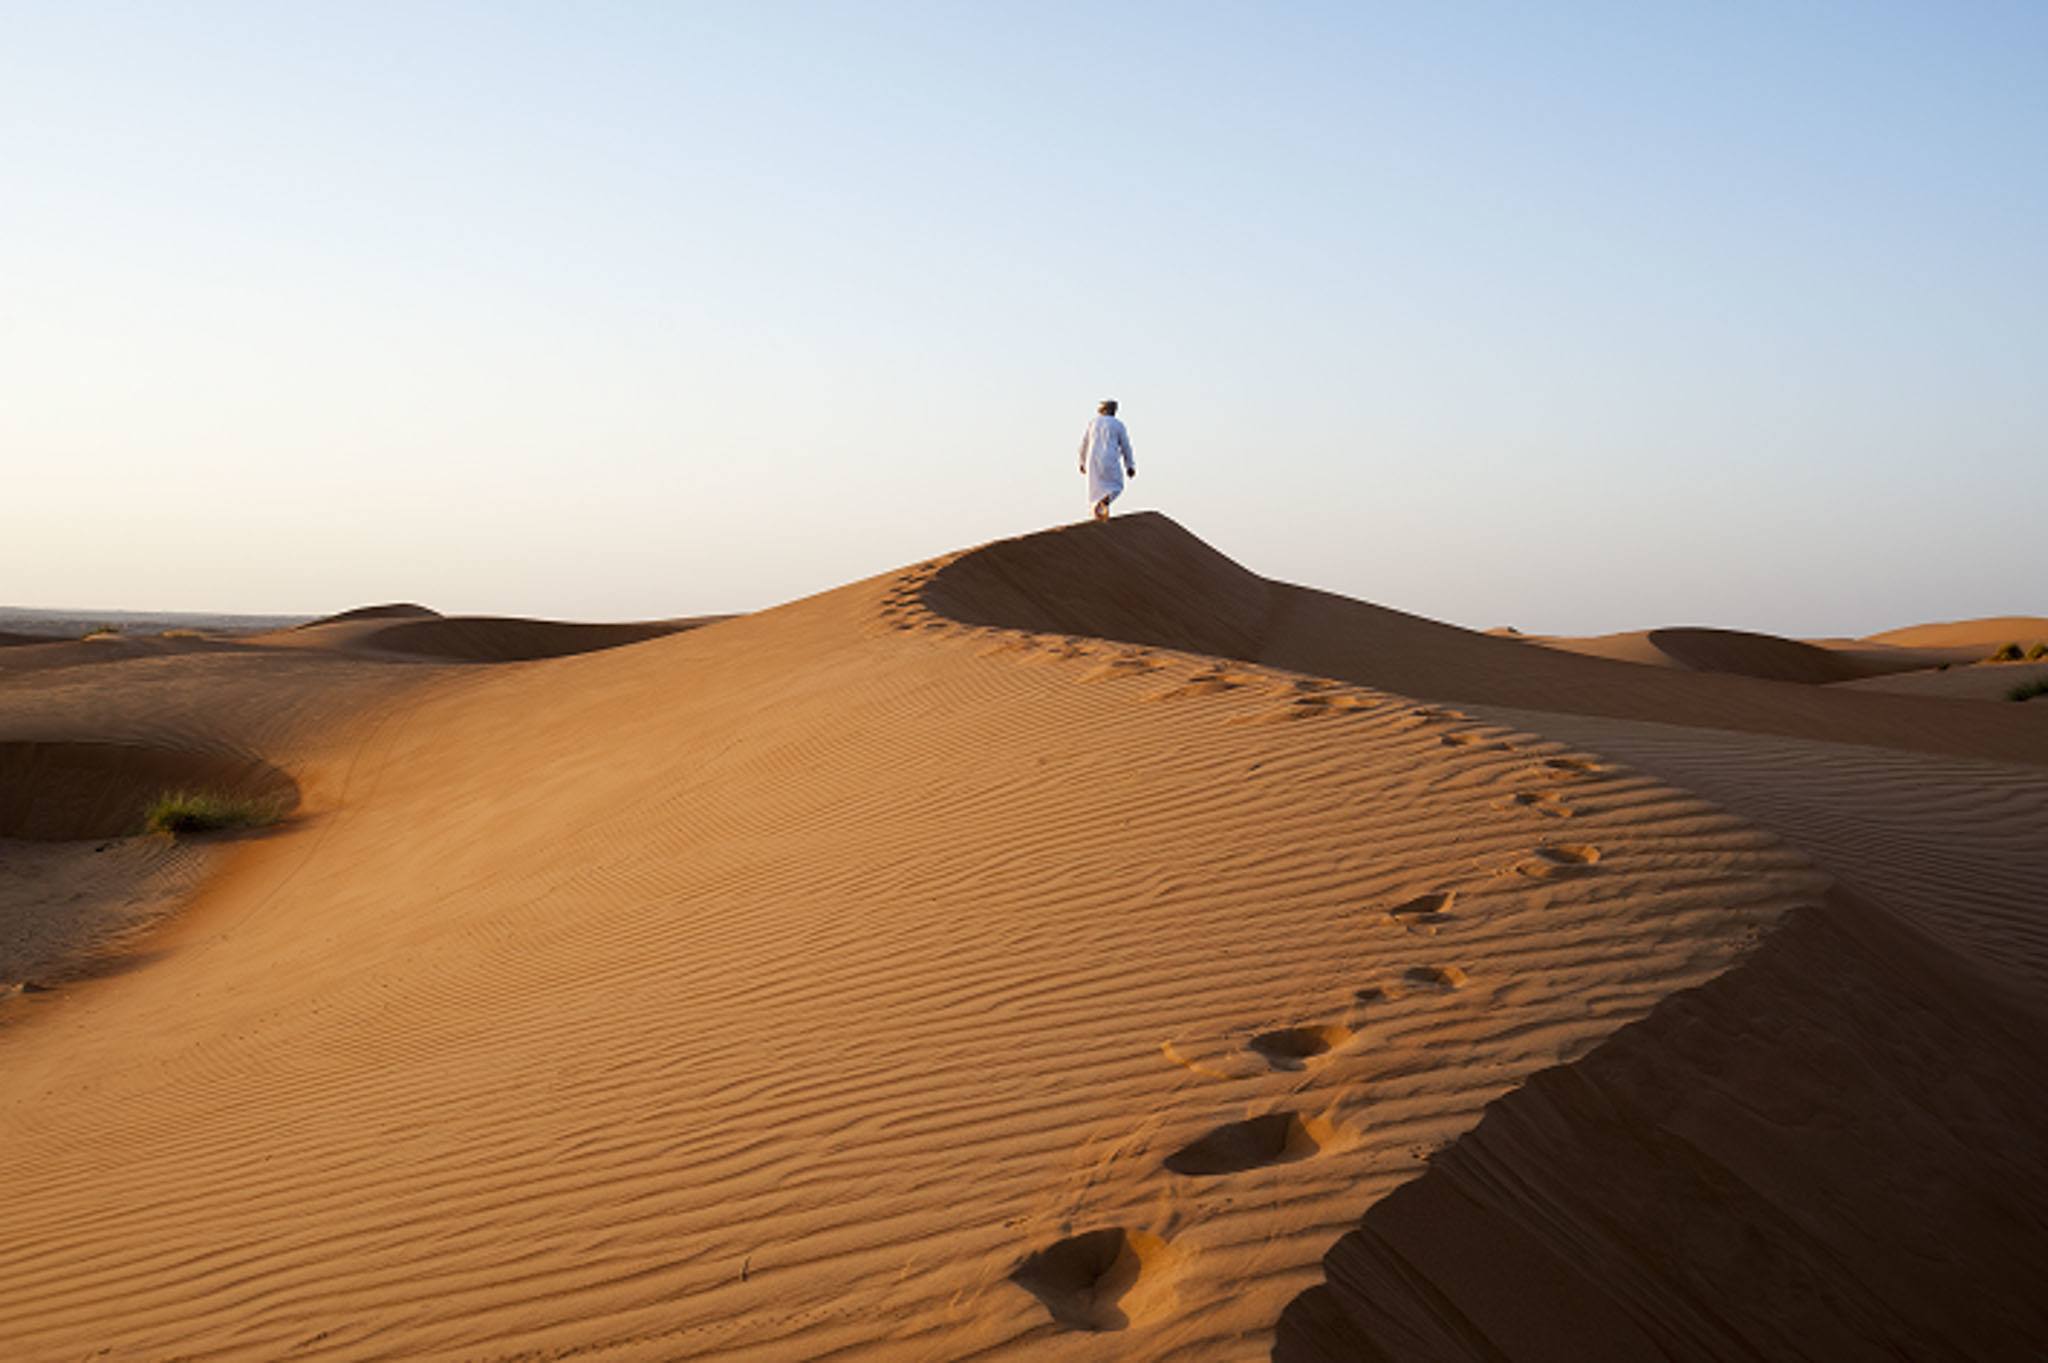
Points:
(1150, 582)
(841, 980)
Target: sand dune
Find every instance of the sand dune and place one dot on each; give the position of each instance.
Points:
(1718, 650)
(1986, 633)
(1052, 951)
(1813, 662)
(1172, 590)
(395, 610)
(420, 633)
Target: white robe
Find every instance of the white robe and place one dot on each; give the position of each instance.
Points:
(1105, 453)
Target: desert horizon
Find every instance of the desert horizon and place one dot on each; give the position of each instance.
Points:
(783, 681)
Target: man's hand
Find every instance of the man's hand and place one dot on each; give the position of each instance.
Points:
(1130, 470)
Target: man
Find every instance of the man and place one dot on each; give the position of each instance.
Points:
(1106, 458)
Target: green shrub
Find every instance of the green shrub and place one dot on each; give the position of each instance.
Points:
(2009, 654)
(2037, 652)
(2027, 690)
(204, 811)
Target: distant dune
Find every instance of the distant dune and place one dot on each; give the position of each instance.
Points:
(1075, 947)
(1735, 652)
(1987, 633)
(1742, 654)
(422, 633)
(398, 610)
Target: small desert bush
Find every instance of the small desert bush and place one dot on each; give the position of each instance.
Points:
(2027, 690)
(2037, 652)
(203, 811)
(2009, 654)
(101, 632)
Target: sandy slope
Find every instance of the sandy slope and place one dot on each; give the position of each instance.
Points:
(971, 964)
(796, 986)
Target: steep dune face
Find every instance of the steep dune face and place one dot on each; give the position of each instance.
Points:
(1084, 579)
(52, 792)
(1832, 1151)
(845, 980)
(1742, 654)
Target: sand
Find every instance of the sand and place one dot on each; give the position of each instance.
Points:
(1078, 947)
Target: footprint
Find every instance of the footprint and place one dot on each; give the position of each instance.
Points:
(1560, 768)
(1292, 1048)
(1100, 1279)
(1276, 1138)
(1227, 680)
(1121, 667)
(1431, 714)
(1539, 801)
(1425, 910)
(1199, 686)
(1559, 860)
(1457, 740)
(1436, 976)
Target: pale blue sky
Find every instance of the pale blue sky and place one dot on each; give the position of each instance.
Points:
(1576, 317)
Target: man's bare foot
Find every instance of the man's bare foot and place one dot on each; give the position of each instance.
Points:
(1102, 509)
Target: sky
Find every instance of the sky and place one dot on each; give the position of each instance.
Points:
(1574, 317)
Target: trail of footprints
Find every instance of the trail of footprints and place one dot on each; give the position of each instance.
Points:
(1111, 1277)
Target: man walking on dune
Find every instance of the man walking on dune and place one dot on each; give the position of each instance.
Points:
(1106, 458)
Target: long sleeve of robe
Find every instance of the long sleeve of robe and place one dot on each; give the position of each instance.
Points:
(1105, 454)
